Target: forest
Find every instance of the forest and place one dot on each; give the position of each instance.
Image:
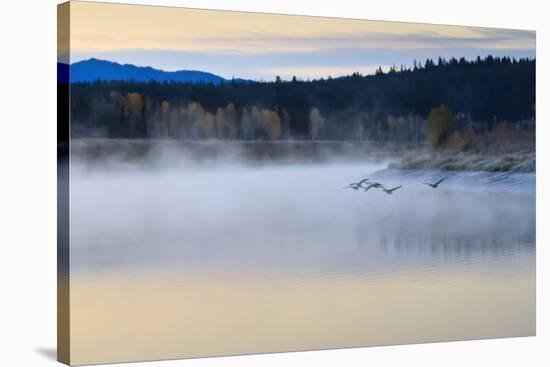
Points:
(473, 96)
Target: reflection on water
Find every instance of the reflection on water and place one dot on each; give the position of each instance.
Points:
(234, 259)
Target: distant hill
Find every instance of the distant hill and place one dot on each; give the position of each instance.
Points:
(94, 69)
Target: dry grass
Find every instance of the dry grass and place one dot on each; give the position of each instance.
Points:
(501, 150)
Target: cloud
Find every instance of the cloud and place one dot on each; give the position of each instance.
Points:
(114, 27)
(262, 43)
(261, 46)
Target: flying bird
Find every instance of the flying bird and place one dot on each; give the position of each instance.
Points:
(374, 185)
(390, 191)
(363, 181)
(357, 185)
(436, 184)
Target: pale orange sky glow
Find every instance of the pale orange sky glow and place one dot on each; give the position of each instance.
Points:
(255, 45)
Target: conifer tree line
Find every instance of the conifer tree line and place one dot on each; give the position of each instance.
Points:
(388, 106)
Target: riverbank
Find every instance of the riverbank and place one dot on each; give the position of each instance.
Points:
(501, 150)
(404, 156)
(448, 160)
(138, 151)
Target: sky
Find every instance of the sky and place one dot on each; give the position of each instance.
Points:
(262, 46)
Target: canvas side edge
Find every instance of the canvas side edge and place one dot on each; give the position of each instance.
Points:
(63, 121)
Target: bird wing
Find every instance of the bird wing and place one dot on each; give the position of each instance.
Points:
(440, 181)
(370, 187)
(363, 181)
(396, 188)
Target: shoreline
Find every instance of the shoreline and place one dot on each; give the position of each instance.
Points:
(512, 162)
(401, 156)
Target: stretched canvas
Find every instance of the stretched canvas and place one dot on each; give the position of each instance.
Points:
(234, 183)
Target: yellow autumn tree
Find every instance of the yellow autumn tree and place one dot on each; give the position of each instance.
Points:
(195, 114)
(226, 121)
(133, 104)
(230, 114)
(207, 126)
(164, 110)
(271, 124)
(133, 108)
(439, 126)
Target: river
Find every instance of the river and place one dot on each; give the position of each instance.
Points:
(234, 258)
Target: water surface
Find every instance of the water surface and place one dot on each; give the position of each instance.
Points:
(235, 258)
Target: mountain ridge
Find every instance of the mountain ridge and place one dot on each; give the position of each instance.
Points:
(94, 69)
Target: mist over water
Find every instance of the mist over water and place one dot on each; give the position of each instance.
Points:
(261, 227)
(233, 213)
